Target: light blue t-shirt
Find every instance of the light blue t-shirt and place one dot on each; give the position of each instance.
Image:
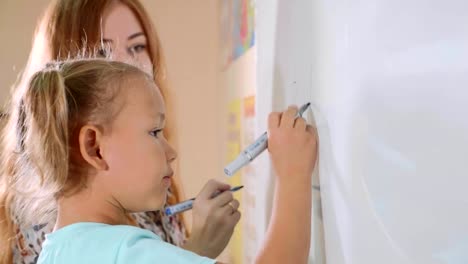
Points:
(120, 244)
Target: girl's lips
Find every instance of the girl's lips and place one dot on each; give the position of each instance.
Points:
(167, 179)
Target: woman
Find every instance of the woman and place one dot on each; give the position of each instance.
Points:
(123, 31)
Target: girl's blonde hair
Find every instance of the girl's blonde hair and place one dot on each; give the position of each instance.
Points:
(40, 158)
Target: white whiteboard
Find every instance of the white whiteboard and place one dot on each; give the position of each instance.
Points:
(389, 84)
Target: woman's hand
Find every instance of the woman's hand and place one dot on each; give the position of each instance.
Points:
(214, 219)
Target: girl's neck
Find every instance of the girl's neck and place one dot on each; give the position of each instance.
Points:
(89, 206)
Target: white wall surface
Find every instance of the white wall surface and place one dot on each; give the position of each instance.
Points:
(388, 80)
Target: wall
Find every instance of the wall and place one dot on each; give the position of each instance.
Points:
(17, 24)
(189, 36)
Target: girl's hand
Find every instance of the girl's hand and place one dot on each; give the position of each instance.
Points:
(292, 145)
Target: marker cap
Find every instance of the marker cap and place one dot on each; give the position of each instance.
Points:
(238, 163)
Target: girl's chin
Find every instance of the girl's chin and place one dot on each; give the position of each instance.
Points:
(160, 203)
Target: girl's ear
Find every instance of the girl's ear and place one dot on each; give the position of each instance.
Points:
(90, 140)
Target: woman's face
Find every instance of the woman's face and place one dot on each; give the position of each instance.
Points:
(124, 35)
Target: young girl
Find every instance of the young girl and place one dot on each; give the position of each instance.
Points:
(86, 138)
(71, 27)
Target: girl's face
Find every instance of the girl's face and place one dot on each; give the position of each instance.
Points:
(123, 33)
(135, 150)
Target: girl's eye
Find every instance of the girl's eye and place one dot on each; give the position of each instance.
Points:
(137, 48)
(155, 133)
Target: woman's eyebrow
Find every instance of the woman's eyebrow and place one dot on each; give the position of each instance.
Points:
(135, 35)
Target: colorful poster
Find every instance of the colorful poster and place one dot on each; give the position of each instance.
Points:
(237, 29)
(233, 142)
(248, 179)
(240, 134)
(243, 32)
(233, 148)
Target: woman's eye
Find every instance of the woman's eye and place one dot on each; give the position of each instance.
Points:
(137, 48)
(105, 50)
(102, 53)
